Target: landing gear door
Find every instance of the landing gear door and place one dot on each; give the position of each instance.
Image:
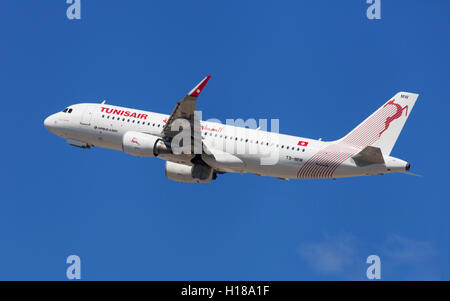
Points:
(87, 116)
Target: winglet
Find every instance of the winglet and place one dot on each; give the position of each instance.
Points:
(198, 89)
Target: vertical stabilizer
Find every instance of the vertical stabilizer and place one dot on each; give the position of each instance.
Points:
(382, 128)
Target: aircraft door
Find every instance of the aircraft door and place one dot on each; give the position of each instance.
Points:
(87, 116)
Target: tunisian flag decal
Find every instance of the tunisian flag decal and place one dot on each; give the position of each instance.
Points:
(302, 143)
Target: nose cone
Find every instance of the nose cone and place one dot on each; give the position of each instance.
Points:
(49, 123)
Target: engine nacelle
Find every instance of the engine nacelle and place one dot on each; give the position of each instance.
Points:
(189, 174)
(143, 145)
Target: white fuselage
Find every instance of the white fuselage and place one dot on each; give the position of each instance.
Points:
(254, 151)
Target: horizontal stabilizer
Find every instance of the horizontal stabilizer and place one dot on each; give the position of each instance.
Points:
(370, 155)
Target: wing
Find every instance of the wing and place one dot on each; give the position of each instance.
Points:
(185, 109)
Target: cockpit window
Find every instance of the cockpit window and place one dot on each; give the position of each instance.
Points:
(70, 111)
(65, 110)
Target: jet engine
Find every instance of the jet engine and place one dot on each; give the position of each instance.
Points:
(189, 174)
(143, 145)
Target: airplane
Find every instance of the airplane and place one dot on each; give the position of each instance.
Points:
(198, 151)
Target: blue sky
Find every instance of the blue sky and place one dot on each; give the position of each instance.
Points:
(321, 67)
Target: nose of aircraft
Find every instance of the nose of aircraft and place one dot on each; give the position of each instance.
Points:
(49, 123)
(46, 123)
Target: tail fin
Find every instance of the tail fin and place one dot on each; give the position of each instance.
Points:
(382, 128)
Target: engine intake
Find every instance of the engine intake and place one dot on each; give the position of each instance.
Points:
(143, 145)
